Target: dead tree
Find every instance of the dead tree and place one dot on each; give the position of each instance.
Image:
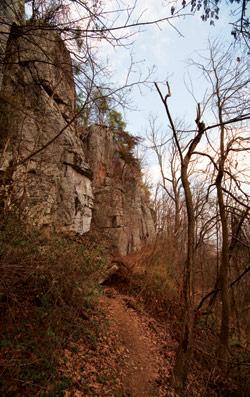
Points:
(228, 80)
(185, 347)
(168, 161)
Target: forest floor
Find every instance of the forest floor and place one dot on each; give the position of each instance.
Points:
(132, 358)
(64, 335)
(134, 354)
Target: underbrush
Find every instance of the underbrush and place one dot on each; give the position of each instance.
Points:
(48, 294)
(224, 378)
(152, 276)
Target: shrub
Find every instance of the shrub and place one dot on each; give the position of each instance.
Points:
(48, 292)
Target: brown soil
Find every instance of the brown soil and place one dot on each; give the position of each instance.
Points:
(131, 357)
(141, 359)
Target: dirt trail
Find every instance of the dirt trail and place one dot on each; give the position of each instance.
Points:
(141, 359)
(130, 358)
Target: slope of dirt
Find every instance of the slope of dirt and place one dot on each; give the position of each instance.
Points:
(141, 359)
(133, 356)
(129, 359)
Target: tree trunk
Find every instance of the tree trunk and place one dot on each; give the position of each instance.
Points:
(223, 276)
(224, 265)
(177, 214)
(184, 352)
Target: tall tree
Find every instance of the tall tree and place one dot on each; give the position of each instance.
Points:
(185, 348)
(227, 107)
(167, 156)
(210, 11)
(229, 82)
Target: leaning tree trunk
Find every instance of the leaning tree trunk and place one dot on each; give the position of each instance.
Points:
(185, 348)
(184, 352)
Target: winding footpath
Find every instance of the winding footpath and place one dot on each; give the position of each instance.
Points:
(141, 359)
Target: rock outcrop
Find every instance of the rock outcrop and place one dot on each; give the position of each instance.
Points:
(122, 205)
(37, 101)
(11, 11)
(58, 177)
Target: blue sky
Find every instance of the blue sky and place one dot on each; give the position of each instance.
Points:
(168, 49)
(169, 52)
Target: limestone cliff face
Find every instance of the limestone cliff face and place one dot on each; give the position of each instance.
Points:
(56, 176)
(122, 207)
(36, 102)
(11, 11)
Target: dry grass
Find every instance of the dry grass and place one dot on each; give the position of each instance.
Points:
(152, 275)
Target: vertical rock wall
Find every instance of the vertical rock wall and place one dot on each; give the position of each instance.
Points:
(122, 206)
(11, 11)
(52, 188)
(53, 175)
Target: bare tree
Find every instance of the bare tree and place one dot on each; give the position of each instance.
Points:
(185, 348)
(83, 26)
(229, 104)
(168, 161)
(228, 79)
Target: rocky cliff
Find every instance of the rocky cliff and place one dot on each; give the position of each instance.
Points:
(122, 206)
(11, 11)
(58, 176)
(37, 101)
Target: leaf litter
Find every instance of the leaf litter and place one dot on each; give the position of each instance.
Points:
(133, 356)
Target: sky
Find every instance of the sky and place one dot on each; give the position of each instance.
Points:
(164, 48)
(168, 51)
